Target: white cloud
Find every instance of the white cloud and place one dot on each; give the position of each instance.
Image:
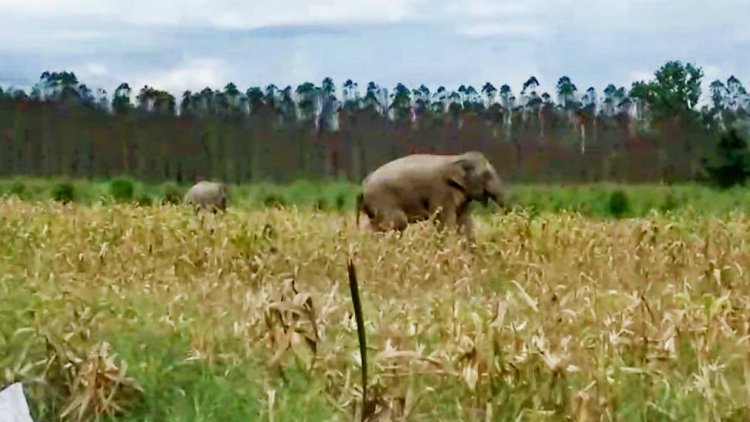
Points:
(484, 30)
(487, 9)
(299, 67)
(257, 13)
(465, 41)
(248, 14)
(96, 69)
(55, 8)
(217, 13)
(193, 74)
(494, 19)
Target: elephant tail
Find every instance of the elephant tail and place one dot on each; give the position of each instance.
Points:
(360, 201)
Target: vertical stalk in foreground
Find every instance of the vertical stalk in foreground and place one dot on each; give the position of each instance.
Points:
(353, 286)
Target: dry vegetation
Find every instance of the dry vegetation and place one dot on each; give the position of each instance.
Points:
(149, 313)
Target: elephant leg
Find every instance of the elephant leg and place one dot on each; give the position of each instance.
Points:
(397, 220)
(445, 218)
(386, 217)
(466, 225)
(373, 223)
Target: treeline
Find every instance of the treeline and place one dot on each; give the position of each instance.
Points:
(652, 131)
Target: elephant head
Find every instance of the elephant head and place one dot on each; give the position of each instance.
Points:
(475, 176)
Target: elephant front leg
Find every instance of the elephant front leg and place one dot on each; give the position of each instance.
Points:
(466, 226)
(398, 220)
(445, 218)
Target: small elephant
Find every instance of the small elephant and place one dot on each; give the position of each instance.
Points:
(417, 186)
(205, 194)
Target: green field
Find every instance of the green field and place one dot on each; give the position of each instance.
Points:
(594, 200)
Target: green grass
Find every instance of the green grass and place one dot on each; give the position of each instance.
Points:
(592, 200)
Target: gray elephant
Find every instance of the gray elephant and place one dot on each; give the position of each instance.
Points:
(418, 186)
(205, 194)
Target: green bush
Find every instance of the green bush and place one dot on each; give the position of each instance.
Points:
(670, 202)
(144, 200)
(18, 188)
(273, 199)
(63, 192)
(172, 194)
(121, 190)
(619, 204)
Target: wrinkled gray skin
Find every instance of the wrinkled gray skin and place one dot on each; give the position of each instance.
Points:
(417, 186)
(207, 195)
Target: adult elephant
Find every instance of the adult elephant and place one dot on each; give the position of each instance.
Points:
(415, 187)
(206, 194)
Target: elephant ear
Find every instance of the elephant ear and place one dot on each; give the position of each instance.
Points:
(458, 172)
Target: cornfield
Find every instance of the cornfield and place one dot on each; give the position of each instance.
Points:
(155, 313)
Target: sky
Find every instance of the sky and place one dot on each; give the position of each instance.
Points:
(193, 44)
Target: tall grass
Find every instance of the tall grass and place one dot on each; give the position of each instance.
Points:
(153, 313)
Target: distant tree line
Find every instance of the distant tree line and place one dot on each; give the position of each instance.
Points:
(652, 131)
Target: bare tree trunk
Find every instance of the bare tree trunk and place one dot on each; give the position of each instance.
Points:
(583, 139)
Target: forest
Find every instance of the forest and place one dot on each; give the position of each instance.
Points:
(655, 131)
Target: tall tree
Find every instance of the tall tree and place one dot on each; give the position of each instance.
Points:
(489, 92)
(121, 100)
(306, 100)
(401, 104)
(675, 90)
(566, 91)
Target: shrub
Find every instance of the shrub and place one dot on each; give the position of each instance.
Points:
(172, 194)
(121, 190)
(273, 199)
(18, 188)
(144, 200)
(670, 202)
(63, 192)
(619, 204)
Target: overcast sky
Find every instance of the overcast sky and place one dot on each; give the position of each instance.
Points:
(190, 44)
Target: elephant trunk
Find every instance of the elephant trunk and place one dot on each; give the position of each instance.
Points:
(498, 199)
(495, 196)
